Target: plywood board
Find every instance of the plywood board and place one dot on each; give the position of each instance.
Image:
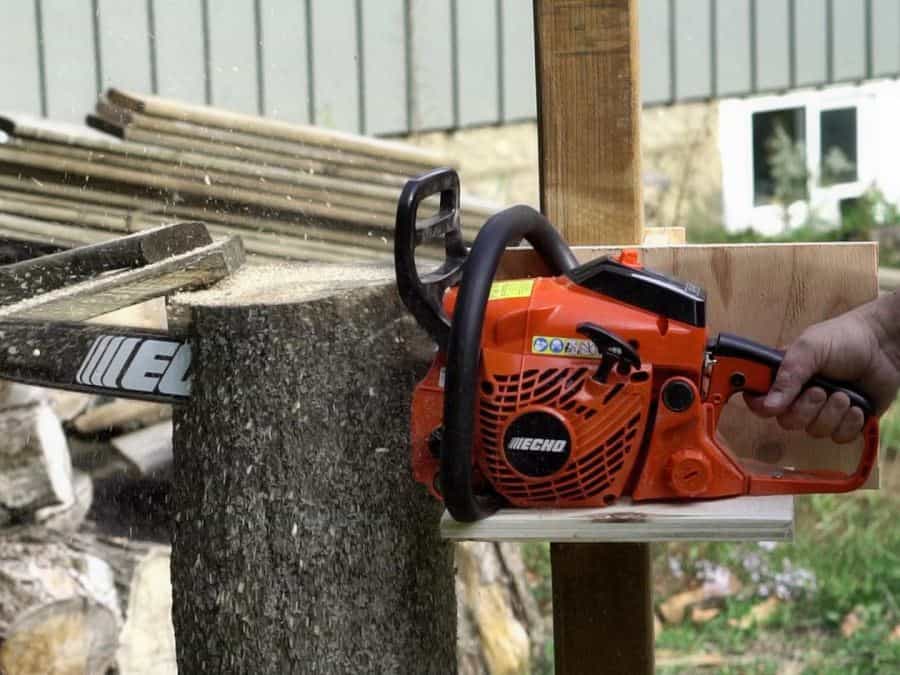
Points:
(738, 519)
(768, 293)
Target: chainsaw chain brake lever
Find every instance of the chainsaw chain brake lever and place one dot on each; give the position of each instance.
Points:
(423, 295)
(614, 351)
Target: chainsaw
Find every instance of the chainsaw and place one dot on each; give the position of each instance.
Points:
(575, 389)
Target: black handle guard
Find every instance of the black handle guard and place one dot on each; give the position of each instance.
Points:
(727, 344)
(464, 346)
(423, 296)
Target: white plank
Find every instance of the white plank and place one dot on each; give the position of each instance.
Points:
(477, 67)
(335, 69)
(384, 67)
(432, 65)
(737, 519)
(519, 95)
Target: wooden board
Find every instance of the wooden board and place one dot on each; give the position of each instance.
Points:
(769, 293)
(589, 119)
(738, 519)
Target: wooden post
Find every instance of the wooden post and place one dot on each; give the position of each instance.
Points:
(589, 113)
(588, 122)
(301, 544)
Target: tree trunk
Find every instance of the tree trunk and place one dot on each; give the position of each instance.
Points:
(301, 543)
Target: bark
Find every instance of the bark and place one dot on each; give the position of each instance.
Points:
(302, 544)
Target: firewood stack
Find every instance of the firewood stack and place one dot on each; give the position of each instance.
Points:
(84, 558)
(291, 191)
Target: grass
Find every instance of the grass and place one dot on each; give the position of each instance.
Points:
(850, 546)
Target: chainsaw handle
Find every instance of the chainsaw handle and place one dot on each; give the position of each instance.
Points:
(760, 365)
(742, 365)
(423, 296)
(464, 346)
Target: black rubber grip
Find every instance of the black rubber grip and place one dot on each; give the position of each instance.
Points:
(728, 344)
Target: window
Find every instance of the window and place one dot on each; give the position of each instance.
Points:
(837, 146)
(779, 156)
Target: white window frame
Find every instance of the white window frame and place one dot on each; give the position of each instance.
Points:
(736, 146)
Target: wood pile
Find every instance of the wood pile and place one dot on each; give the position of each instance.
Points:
(84, 554)
(290, 191)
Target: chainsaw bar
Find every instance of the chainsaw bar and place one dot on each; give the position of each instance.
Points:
(97, 359)
(44, 301)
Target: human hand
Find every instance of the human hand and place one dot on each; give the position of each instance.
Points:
(860, 348)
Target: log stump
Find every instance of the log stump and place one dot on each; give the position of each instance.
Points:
(301, 542)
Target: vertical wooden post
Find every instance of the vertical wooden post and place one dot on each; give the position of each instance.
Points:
(589, 119)
(589, 131)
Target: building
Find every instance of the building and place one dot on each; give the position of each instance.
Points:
(822, 71)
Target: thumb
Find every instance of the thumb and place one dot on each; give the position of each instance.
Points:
(801, 361)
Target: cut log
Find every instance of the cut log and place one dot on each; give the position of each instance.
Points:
(59, 610)
(121, 414)
(498, 618)
(147, 451)
(69, 517)
(35, 469)
(147, 641)
(301, 544)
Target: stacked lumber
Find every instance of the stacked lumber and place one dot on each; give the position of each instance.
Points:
(290, 191)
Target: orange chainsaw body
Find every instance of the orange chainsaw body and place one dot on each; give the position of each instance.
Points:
(624, 439)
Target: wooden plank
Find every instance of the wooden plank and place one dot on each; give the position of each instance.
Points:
(519, 92)
(335, 57)
(69, 57)
(232, 55)
(384, 67)
(762, 292)
(477, 62)
(737, 519)
(298, 133)
(89, 299)
(590, 138)
(124, 43)
(612, 620)
(20, 75)
(284, 65)
(179, 40)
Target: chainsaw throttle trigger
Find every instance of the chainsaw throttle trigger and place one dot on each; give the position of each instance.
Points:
(613, 349)
(423, 294)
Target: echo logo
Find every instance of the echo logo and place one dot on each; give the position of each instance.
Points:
(149, 365)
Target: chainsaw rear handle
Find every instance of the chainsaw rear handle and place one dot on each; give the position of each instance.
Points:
(464, 346)
(746, 366)
(423, 296)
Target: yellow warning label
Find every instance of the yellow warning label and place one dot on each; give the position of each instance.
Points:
(517, 288)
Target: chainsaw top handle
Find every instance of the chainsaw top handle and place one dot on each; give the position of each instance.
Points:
(464, 346)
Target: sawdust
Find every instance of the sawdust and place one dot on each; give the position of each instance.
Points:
(288, 282)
